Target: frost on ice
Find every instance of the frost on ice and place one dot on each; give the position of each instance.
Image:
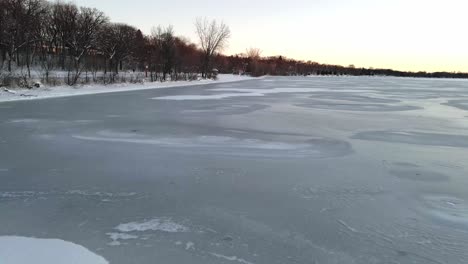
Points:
(115, 237)
(231, 258)
(157, 224)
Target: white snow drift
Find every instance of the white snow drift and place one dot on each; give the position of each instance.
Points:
(24, 250)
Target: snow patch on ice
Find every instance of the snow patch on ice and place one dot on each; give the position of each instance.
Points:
(190, 246)
(100, 194)
(200, 141)
(344, 224)
(24, 250)
(20, 194)
(231, 258)
(157, 224)
(25, 120)
(104, 196)
(315, 147)
(115, 237)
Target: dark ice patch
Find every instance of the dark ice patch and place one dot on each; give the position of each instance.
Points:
(460, 104)
(330, 147)
(225, 109)
(415, 138)
(357, 106)
(353, 98)
(406, 164)
(420, 175)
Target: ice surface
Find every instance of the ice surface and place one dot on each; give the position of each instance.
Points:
(370, 170)
(448, 208)
(206, 97)
(25, 250)
(241, 92)
(226, 109)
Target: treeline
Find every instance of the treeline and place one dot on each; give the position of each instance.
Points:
(61, 42)
(251, 62)
(64, 43)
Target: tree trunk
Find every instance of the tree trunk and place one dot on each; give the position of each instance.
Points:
(28, 66)
(106, 63)
(62, 57)
(205, 67)
(9, 64)
(9, 61)
(3, 55)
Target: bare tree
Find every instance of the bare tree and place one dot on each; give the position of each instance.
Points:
(82, 38)
(186, 58)
(34, 12)
(64, 19)
(48, 34)
(126, 43)
(167, 50)
(213, 38)
(253, 53)
(107, 42)
(19, 21)
(3, 14)
(154, 52)
(253, 56)
(116, 42)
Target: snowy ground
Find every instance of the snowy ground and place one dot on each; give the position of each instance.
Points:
(65, 90)
(274, 170)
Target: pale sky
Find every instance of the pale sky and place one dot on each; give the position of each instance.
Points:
(412, 35)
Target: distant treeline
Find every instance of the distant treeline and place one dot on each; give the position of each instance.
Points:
(256, 65)
(63, 43)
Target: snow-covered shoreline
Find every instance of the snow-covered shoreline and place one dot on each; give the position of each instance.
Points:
(65, 91)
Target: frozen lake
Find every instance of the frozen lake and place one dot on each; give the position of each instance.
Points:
(274, 170)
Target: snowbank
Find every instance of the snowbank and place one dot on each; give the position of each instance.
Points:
(63, 91)
(24, 250)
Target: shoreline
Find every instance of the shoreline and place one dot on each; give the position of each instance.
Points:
(68, 91)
